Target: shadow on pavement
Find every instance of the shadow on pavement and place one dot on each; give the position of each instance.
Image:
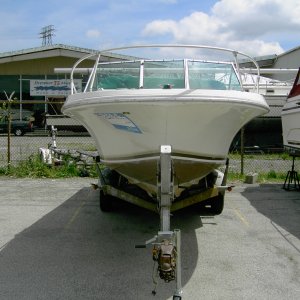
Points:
(280, 206)
(78, 252)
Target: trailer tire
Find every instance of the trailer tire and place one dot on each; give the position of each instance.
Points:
(105, 202)
(216, 204)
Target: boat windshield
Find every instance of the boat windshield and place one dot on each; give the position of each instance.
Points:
(177, 74)
(163, 74)
(118, 75)
(216, 76)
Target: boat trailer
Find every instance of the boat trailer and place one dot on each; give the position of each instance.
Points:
(166, 251)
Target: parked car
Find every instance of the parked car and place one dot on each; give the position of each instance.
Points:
(25, 114)
(18, 127)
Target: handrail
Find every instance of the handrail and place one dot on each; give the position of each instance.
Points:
(92, 76)
(233, 52)
(73, 88)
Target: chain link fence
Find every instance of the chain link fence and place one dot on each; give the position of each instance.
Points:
(262, 163)
(25, 128)
(21, 148)
(72, 136)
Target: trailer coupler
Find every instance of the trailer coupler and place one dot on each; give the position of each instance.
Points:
(166, 253)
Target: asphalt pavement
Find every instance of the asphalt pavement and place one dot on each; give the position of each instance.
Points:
(55, 243)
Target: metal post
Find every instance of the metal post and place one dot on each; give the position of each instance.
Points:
(45, 100)
(166, 187)
(21, 99)
(242, 149)
(167, 244)
(9, 100)
(178, 262)
(8, 133)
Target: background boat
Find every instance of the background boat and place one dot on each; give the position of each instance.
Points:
(291, 117)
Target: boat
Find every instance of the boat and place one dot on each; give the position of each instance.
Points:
(131, 108)
(162, 128)
(290, 117)
(274, 91)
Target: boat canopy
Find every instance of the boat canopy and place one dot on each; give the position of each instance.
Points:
(166, 74)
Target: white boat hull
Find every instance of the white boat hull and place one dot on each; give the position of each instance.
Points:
(290, 117)
(129, 126)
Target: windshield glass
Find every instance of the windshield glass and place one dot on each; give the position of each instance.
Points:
(217, 76)
(166, 74)
(123, 75)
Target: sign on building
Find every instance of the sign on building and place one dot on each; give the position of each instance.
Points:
(58, 87)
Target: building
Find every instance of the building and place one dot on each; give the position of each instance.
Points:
(29, 74)
(290, 60)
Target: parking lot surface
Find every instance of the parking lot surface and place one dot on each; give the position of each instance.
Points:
(55, 243)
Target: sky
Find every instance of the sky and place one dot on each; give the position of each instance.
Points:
(256, 27)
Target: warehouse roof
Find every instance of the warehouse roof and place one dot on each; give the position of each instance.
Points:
(51, 51)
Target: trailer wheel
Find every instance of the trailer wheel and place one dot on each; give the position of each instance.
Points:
(216, 204)
(105, 202)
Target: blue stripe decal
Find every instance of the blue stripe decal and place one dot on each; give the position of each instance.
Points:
(120, 121)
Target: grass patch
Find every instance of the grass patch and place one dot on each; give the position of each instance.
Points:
(258, 156)
(270, 176)
(235, 177)
(34, 168)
